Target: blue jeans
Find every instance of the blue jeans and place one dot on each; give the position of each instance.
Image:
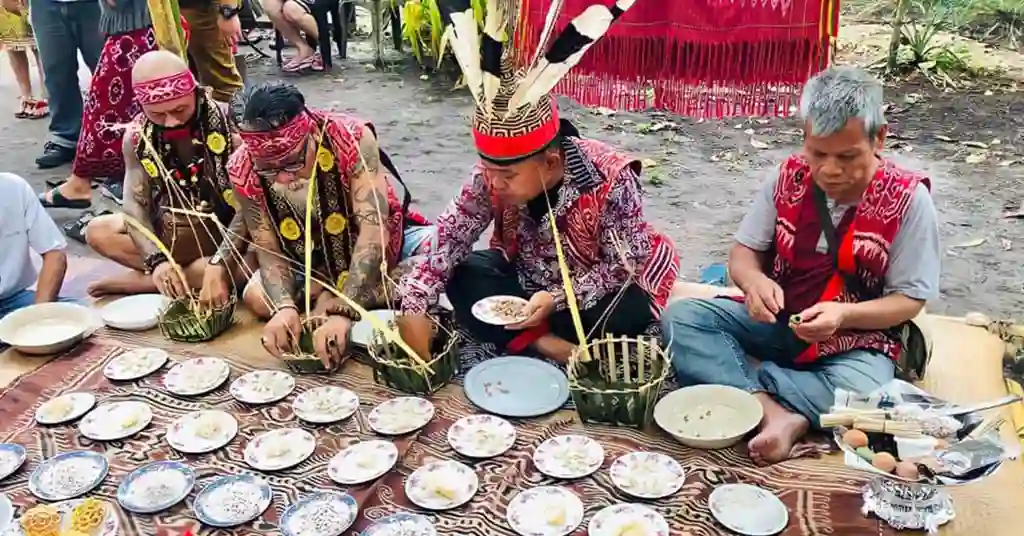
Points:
(709, 341)
(19, 300)
(61, 31)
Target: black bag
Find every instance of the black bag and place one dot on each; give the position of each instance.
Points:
(917, 347)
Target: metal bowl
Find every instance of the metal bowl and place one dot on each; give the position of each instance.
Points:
(48, 328)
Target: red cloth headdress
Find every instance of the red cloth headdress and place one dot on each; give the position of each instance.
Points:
(165, 89)
(279, 142)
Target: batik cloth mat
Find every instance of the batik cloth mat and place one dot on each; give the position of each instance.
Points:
(823, 497)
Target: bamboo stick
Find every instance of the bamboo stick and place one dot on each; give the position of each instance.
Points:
(895, 428)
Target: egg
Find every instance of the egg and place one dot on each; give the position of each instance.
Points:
(884, 462)
(855, 438)
(907, 470)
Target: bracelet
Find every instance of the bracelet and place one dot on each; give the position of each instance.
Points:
(153, 260)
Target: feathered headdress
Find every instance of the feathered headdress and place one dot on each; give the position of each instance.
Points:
(515, 115)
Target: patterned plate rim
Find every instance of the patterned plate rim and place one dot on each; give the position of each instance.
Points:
(378, 526)
(475, 309)
(73, 415)
(266, 496)
(148, 371)
(300, 396)
(139, 425)
(676, 486)
(33, 479)
(503, 423)
(353, 446)
(226, 373)
(453, 505)
(394, 401)
(481, 402)
(532, 491)
(21, 455)
(773, 499)
(589, 472)
(293, 508)
(169, 432)
(609, 510)
(251, 445)
(252, 401)
(122, 488)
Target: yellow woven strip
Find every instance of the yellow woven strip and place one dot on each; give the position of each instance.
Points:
(1017, 410)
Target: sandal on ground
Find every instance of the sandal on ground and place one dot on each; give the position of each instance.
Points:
(57, 183)
(75, 229)
(22, 112)
(57, 200)
(38, 109)
(317, 65)
(297, 66)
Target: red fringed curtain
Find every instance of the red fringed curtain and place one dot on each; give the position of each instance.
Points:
(699, 58)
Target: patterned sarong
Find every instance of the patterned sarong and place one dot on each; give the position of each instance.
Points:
(704, 58)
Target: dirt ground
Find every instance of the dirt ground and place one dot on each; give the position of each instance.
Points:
(702, 174)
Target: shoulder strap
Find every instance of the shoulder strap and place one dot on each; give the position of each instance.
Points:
(829, 230)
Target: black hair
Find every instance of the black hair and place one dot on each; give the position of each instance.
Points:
(267, 105)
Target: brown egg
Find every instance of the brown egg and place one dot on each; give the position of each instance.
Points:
(884, 462)
(855, 438)
(907, 470)
(941, 444)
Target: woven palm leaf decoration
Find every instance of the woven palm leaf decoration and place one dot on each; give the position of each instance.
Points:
(166, 18)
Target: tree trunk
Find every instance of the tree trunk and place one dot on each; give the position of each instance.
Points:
(897, 33)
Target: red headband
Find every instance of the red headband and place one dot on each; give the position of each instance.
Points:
(280, 142)
(165, 89)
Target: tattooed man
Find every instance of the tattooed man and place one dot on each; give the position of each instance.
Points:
(176, 155)
(359, 229)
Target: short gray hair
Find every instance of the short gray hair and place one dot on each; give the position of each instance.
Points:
(838, 94)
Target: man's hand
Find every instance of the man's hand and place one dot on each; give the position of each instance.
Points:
(820, 321)
(230, 29)
(281, 334)
(215, 290)
(330, 340)
(326, 304)
(540, 306)
(764, 300)
(417, 332)
(168, 282)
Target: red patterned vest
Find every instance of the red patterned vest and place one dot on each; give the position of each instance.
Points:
(581, 229)
(865, 235)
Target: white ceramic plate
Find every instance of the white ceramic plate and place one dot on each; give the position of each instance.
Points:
(326, 513)
(109, 526)
(6, 513)
(486, 311)
(324, 405)
(362, 331)
(401, 415)
(68, 475)
(12, 457)
(65, 408)
(279, 449)
(569, 456)
(401, 524)
(263, 386)
(200, 432)
(481, 436)
(135, 364)
(48, 328)
(708, 416)
(363, 462)
(155, 487)
(196, 376)
(442, 485)
(647, 475)
(615, 519)
(135, 313)
(116, 420)
(232, 500)
(748, 510)
(545, 511)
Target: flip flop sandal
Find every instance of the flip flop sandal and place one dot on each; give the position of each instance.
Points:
(57, 200)
(54, 183)
(75, 230)
(317, 65)
(23, 112)
(298, 66)
(39, 109)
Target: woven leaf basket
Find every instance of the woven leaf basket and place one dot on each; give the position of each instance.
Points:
(393, 368)
(306, 361)
(621, 383)
(179, 321)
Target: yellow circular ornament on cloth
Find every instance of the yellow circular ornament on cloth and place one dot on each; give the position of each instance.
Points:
(342, 278)
(290, 229)
(229, 198)
(150, 167)
(216, 142)
(324, 159)
(88, 515)
(335, 223)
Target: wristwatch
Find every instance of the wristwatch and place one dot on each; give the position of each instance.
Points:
(228, 12)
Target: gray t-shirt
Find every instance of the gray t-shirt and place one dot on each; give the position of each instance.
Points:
(914, 258)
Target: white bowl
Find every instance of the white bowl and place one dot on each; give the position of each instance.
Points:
(48, 328)
(135, 313)
(729, 414)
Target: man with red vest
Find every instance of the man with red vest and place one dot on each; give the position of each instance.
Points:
(837, 251)
(536, 169)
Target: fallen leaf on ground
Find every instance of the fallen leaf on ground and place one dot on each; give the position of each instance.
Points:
(975, 158)
(975, 144)
(758, 144)
(940, 137)
(649, 162)
(1008, 163)
(604, 111)
(971, 243)
(1007, 244)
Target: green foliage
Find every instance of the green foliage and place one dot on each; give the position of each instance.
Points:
(917, 46)
(423, 29)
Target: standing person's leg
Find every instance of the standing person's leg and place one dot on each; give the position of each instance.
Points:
(85, 23)
(482, 274)
(58, 54)
(19, 66)
(298, 15)
(213, 57)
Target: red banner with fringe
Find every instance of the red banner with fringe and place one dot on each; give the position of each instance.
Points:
(699, 58)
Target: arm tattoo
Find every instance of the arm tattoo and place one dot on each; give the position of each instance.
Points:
(235, 241)
(137, 205)
(274, 271)
(369, 210)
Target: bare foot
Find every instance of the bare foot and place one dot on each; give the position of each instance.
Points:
(555, 348)
(780, 430)
(130, 282)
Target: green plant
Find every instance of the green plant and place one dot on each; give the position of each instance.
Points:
(424, 30)
(917, 46)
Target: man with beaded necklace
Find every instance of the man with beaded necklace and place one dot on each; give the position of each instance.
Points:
(176, 155)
